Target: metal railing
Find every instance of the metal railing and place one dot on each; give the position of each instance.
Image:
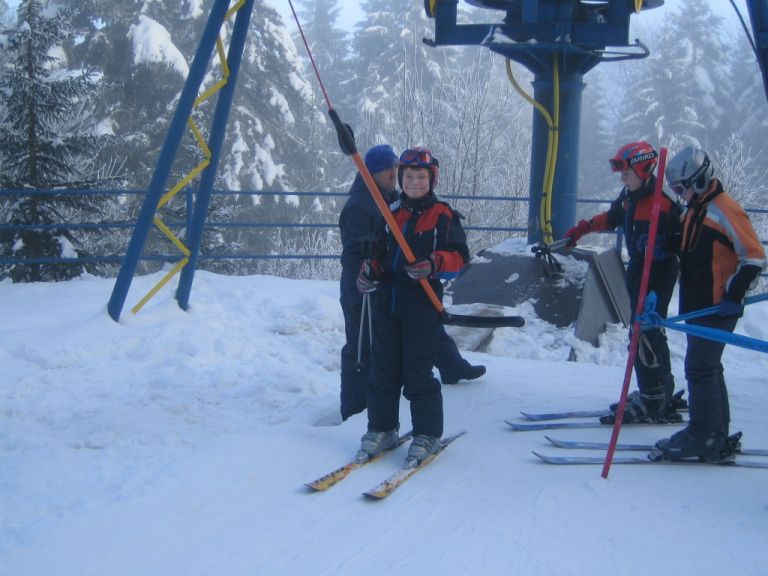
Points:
(129, 224)
(210, 224)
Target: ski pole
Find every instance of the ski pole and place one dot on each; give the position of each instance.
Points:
(360, 333)
(347, 143)
(370, 322)
(635, 330)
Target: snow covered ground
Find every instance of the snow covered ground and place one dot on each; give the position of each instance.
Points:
(178, 443)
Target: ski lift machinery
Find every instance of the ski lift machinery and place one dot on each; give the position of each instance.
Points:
(559, 41)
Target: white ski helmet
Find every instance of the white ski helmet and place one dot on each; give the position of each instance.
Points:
(689, 168)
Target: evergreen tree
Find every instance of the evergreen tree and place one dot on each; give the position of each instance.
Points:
(656, 106)
(146, 47)
(682, 94)
(705, 48)
(47, 140)
(267, 148)
(391, 62)
(750, 109)
(599, 140)
(143, 48)
(330, 49)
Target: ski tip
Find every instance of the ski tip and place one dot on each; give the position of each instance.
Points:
(453, 437)
(553, 441)
(374, 496)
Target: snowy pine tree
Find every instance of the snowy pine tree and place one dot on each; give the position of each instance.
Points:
(4, 12)
(656, 107)
(47, 140)
(143, 48)
(395, 72)
(750, 110)
(599, 140)
(146, 47)
(330, 49)
(706, 76)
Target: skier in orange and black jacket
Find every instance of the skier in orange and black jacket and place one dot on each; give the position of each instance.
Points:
(720, 258)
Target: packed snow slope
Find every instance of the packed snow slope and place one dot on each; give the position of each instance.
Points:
(178, 443)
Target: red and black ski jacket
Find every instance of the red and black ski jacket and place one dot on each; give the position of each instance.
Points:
(632, 211)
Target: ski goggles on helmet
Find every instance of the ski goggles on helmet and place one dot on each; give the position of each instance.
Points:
(698, 180)
(621, 164)
(679, 188)
(419, 157)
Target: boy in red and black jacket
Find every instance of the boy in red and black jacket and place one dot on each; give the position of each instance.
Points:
(632, 211)
(406, 325)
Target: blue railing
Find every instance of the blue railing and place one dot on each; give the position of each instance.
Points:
(129, 224)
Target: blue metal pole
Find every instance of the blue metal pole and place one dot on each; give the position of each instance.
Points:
(758, 15)
(165, 160)
(218, 131)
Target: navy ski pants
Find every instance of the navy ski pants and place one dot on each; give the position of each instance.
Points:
(406, 333)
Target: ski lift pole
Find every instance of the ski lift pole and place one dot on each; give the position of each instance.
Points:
(348, 147)
(636, 330)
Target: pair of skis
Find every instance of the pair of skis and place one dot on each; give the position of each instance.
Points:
(548, 421)
(389, 485)
(551, 420)
(738, 460)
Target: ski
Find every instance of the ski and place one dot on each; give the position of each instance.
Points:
(575, 460)
(678, 403)
(332, 478)
(564, 415)
(525, 427)
(397, 479)
(575, 444)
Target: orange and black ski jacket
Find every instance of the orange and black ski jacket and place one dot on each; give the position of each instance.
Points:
(632, 211)
(721, 254)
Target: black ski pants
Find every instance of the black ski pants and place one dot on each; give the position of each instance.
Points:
(406, 332)
(707, 393)
(355, 375)
(653, 365)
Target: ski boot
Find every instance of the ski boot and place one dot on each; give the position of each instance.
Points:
(374, 443)
(688, 444)
(422, 447)
(470, 372)
(642, 408)
(677, 402)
